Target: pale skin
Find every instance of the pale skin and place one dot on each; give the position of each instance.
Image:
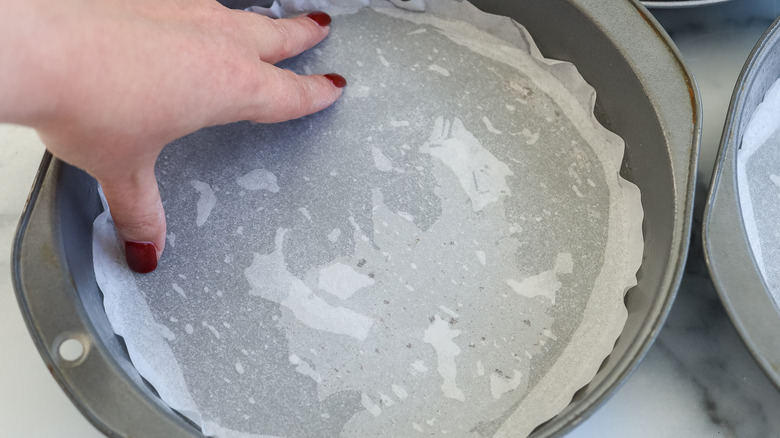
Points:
(108, 83)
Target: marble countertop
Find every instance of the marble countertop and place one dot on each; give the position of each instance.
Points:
(698, 380)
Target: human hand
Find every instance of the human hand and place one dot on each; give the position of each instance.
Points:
(109, 83)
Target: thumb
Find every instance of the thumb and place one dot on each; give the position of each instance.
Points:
(134, 200)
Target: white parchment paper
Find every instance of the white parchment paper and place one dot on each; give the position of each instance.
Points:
(444, 251)
(758, 182)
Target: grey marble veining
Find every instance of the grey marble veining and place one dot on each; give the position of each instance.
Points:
(698, 380)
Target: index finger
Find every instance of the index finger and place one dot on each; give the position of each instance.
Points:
(283, 95)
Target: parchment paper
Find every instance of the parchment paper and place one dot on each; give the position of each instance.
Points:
(758, 182)
(443, 251)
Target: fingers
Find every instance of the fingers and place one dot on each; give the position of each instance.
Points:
(134, 201)
(278, 39)
(284, 95)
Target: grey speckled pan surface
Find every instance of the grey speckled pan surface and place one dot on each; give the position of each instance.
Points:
(727, 249)
(645, 95)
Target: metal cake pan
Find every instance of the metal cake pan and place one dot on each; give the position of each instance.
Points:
(645, 95)
(726, 247)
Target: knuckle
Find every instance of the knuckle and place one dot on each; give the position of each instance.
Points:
(301, 97)
(282, 39)
(243, 77)
(138, 226)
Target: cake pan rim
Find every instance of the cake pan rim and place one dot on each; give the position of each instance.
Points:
(682, 223)
(750, 319)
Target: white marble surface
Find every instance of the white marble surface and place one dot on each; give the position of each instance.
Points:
(698, 380)
(31, 403)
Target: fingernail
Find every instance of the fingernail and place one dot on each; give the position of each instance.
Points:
(337, 80)
(319, 17)
(141, 256)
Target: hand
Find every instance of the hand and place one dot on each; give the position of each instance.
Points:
(108, 83)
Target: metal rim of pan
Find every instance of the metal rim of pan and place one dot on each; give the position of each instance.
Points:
(669, 4)
(728, 254)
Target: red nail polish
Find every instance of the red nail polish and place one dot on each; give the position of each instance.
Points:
(141, 256)
(319, 17)
(337, 80)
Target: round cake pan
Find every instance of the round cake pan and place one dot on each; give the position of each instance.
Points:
(726, 247)
(645, 95)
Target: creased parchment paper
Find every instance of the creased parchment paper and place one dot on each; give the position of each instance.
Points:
(443, 251)
(758, 182)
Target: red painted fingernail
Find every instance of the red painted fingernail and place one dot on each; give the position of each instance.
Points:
(141, 256)
(319, 17)
(337, 80)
